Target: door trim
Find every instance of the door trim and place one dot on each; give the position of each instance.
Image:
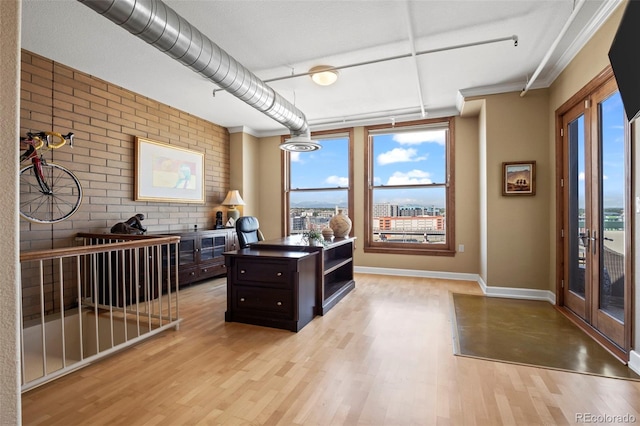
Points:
(561, 203)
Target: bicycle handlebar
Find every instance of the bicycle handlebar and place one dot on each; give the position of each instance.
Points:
(40, 139)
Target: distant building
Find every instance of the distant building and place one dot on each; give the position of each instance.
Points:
(409, 223)
(385, 209)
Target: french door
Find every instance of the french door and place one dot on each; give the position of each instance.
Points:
(596, 232)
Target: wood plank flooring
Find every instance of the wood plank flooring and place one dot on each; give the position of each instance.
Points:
(382, 356)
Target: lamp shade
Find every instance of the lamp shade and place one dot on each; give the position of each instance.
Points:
(233, 199)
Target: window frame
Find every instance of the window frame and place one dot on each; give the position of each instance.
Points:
(434, 249)
(285, 157)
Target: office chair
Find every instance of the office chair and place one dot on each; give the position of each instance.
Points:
(248, 230)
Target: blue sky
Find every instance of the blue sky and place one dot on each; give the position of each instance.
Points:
(399, 159)
(613, 152)
(613, 182)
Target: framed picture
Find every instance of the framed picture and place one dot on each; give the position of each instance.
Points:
(519, 178)
(166, 173)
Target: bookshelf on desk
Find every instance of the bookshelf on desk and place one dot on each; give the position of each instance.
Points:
(334, 266)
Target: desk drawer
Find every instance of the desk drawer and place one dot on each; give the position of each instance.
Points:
(275, 302)
(256, 273)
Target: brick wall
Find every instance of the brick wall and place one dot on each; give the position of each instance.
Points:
(106, 119)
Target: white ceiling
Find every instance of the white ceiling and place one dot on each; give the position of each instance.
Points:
(277, 38)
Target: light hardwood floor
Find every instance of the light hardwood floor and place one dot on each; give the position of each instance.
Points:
(382, 356)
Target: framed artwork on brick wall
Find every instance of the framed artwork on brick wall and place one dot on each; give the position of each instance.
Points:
(165, 173)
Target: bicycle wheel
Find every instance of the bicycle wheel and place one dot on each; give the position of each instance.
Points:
(40, 207)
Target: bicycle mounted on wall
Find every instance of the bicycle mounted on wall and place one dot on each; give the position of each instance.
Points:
(49, 193)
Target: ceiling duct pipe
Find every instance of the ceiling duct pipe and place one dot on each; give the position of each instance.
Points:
(160, 26)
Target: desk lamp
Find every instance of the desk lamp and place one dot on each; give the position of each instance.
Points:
(232, 200)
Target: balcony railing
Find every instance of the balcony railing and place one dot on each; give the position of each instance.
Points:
(82, 303)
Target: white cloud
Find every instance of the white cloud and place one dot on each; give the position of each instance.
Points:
(337, 180)
(294, 157)
(411, 177)
(414, 138)
(399, 155)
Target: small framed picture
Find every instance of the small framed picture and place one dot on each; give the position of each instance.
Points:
(519, 178)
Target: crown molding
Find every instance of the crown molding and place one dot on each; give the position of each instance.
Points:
(586, 33)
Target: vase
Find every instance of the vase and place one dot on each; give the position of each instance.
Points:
(327, 233)
(341, 225)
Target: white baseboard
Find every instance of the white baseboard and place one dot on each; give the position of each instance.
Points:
(521, 293)
(634, 361)
(416, 273)
(509, 292)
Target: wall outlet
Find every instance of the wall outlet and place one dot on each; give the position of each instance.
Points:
(461, 248)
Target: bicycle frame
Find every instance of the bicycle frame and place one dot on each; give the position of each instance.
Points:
(36, 160)
(37, 141)
(49, 192)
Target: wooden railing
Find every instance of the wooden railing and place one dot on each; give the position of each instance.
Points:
(85, 302)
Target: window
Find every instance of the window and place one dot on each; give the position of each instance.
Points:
(409, 194)
(319, 182)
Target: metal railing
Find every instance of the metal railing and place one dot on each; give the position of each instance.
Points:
(82, 303)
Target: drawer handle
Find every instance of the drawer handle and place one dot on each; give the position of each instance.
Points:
(242, 271)
(279, 274)
(242, 299)
(279, 303)
(192, 274)
(205, 269)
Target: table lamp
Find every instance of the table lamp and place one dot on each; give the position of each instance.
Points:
(232, 200)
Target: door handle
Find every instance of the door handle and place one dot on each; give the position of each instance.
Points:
(589, 240)
(585, 237)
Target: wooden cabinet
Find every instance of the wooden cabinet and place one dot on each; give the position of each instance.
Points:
(337, 273)
(272, 288)
(200, 253)
(334, 266)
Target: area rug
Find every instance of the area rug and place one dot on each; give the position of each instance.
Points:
(528, 332)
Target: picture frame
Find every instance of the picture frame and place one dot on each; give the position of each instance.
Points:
(519, 178)
(166, 173)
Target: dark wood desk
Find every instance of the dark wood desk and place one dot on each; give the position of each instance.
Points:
(273, 288)
(334, 266)
(284, 282)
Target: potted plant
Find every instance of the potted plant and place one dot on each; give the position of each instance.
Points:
(313, 237)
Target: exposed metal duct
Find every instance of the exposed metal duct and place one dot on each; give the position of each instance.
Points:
(160, 26)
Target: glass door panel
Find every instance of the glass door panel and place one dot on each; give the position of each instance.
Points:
(613, 189)
(577, 199)
(577, 226)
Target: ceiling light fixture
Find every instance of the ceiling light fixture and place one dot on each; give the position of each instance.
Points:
(324, 75)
